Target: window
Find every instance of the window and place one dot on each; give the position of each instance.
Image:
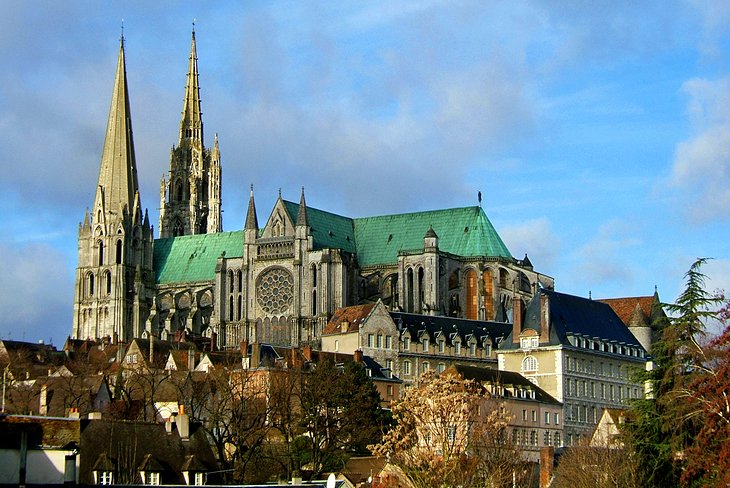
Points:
(390, 390)
(424, 345)
(533, 438)
(524, 414)
(101, 253)
(473, 349)
(546, 438)
(389, 367)
(406, 343)
(547, 418)
(451, 433)
(153, 478)
(529, 364)
(425, 367)
(337, 345)
(91, 284)
(388, 343)
(457, 348)
(119, 252)
(557, 439)
(407, 367)
(534, 416)
(199, 479)
(105, 477)
(442, 345)
(108, 279)
(380, 341)
(441, 367)
(371, 340)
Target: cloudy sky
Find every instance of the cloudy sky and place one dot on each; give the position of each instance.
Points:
(597, 132)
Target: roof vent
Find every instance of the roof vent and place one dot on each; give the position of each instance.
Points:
(390, 237)
(330, 233)
(466, 229)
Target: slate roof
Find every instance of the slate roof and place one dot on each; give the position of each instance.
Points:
(193, 258)
(464, 231)
(451, 327)
(573, 315)
(42, 431)
(504, 378)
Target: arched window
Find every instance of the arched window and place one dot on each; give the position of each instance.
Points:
(314, 276)
(231, 283)
(119, 252)
(314, 303)
(421, 293)
(240, 307)
(91, 284)
(410, 291)
(179, 191)
(230, 308)
(108, 279)
(471, 295)
(101, 253)
(529, 364)
(240, 280)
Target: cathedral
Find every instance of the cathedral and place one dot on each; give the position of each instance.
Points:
(279, 282)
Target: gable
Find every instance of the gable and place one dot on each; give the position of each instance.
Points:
(280, 223)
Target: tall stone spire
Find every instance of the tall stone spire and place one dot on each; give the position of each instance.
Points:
(118, 183)
(191, 124)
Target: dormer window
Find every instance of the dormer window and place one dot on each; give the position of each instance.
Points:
(457, 348)
(442, 345)
(406, 343)
(531, 342)
(424, 345)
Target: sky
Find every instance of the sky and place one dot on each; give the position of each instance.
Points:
(597, 132)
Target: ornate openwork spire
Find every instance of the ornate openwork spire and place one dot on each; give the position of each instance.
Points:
(191, 124)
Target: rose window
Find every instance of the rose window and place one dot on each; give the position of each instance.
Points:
(275, 291)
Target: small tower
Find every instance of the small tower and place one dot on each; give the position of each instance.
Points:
(191, 195)
(115, 241)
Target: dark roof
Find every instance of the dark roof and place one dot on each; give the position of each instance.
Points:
(148, 444)
(573, 315)
(503, 378)
(41, 431)
(451, 327)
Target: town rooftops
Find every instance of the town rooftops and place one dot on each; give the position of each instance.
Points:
(451, 328)
(353, 317)
(505, 379)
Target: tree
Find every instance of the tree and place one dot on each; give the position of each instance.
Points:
(340, 414)
(449, 432)
(586, 466)
(666, 427)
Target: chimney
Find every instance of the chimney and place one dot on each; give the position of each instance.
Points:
(357, 356)
(43, 408)
(547, 459)
(152, 349)
(73, 413)
(517, 313)
(255, 355)
(244, 348)
(544, 319)
(213, 341)
(307, 352)
(191, 359)
(183, 423)
(168, 424)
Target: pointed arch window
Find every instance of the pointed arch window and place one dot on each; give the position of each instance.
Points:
(90, 280)
(230, 308)
(108, 280)
(231, 283)
(119, 252)
(239, 308)
(240, 280)
(101, 253)
(471, 295)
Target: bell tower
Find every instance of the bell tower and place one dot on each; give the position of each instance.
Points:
(190, 196)
(115, 240)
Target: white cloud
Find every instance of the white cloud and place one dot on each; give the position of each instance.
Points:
(536, 238)
(701, 169)
(36, 292)
(601, 259)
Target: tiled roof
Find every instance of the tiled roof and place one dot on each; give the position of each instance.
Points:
(462, 231)
(625, 308)
(353, 315)
(193, 258)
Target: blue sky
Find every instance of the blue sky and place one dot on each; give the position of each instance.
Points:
(597, 132)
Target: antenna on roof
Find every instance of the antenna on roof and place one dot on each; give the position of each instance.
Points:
(590, 295)
(479, 197)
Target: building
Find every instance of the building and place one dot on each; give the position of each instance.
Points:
(277, 283)
(577, 350)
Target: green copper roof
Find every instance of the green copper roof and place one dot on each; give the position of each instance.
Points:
(462, 231)
(329, 231)
(193, 258)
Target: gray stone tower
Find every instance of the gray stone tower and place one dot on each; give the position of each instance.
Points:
(114, 271)
(190, 200)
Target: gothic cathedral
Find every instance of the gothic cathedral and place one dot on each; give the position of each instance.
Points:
(278, 283)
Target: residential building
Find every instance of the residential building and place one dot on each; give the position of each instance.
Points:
(577, 350)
